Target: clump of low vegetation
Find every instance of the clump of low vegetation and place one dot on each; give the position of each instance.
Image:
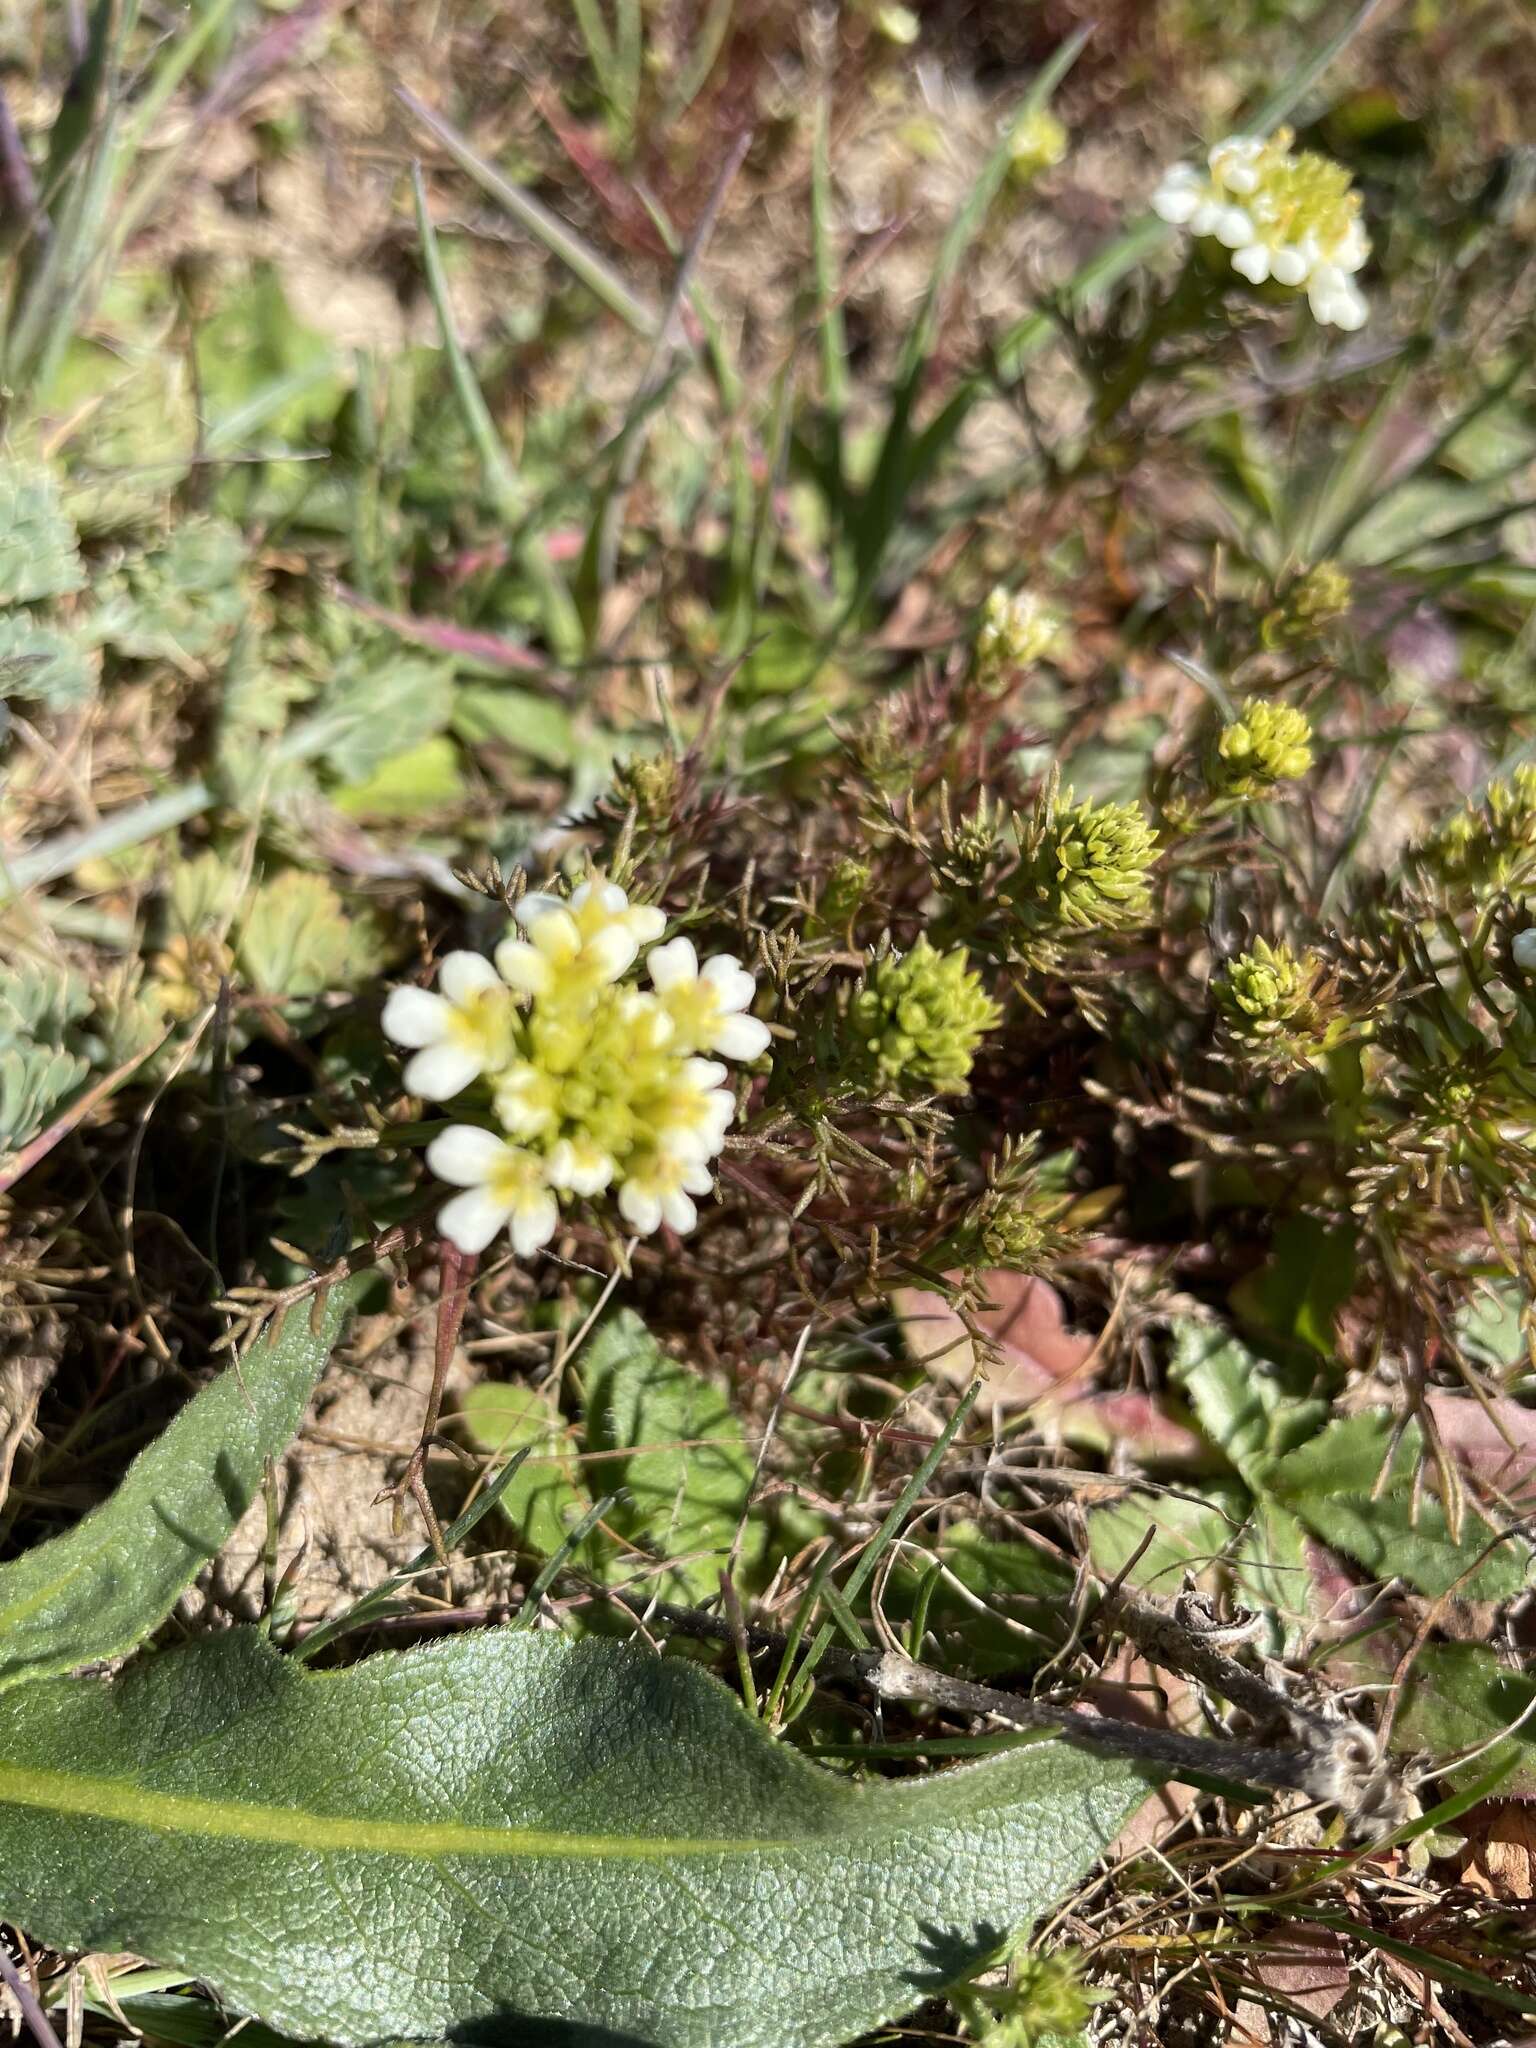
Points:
(767, 1016)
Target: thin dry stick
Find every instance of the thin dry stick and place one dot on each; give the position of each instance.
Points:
(26, 1998)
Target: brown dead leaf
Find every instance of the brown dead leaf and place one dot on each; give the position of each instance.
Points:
(1498, 1857)
(1044, 1365)
(1306, 1966)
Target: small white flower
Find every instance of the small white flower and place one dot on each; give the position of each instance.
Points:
(657, 1188)
(576, 1166)
(708, 1005)
(695, 1112)
(556, 957)
(643, 921)
(458, 1035)
(526, 1099)
(505, 1188)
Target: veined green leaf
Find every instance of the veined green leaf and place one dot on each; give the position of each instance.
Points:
(98, 1590)
(688, 1472)
(1335, 1485)
(506, 1829)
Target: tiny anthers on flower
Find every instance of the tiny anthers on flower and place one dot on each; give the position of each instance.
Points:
(592, 1083)
(1287, 215)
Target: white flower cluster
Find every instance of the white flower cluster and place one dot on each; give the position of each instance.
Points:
(593, 1081)
(1285, 214)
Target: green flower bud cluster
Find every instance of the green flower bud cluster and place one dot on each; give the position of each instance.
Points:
(1314, 602)
(648, 785)
(1270, 992)
(1007, 1233)
(842, 894)
(1084, 866)
(1017, 629)
(1267, 745)
(1043, 1999)
(1490, 847)
(921, 1016)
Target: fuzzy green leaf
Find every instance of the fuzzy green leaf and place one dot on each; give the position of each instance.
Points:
(34, 1080)
(98, 1590)
(181, 601)
(40, 663)
(38, 555)
(545, 1498)
(688, 1474)
(1239, 1401)
(507, 1829)
(297, 938)
(382, 702)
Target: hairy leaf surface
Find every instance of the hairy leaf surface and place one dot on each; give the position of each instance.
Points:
(99, 1589)
(508, 1837)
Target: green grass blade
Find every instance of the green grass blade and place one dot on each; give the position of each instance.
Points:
(495, 465)
(582, 261)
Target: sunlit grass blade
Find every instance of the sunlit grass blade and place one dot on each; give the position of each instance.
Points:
(495, 464)
(580, 259)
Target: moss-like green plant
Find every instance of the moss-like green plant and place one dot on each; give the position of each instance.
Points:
(1084, 866)
(921, 1017)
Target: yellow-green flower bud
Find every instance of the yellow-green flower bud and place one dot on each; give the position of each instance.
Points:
(1038, 143)
(1487, 848)
(1269, 744)
(1008, 1233)
(648, 785)
(841, 895)
(1016, 630)
(1270, 992)
(1084, 866)
(1314, 602)
(921, 1017)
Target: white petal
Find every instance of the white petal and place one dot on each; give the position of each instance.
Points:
(647, 921)
(612, 951)
(672, 965)
(698, 1179)
(1240, 178)
(472, 1219)
(679, 1211)
(1175, 204)
(584, 1172)
(530, 908)
(535, 1223)
(704, 1073)
(1252, 262)
(442, 1070)
(1288, 266)
(1234, 228)
(1353, 249)
(1350, 310)
(734, 987)
(466, 1155)
(740, 1038)
(523, 967)
(463, 975)
(1205, 216)
(415, 1016)
(556, 933)
(639, 1208)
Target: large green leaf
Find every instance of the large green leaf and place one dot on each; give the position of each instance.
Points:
(508, 1829)
(99, 1589)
